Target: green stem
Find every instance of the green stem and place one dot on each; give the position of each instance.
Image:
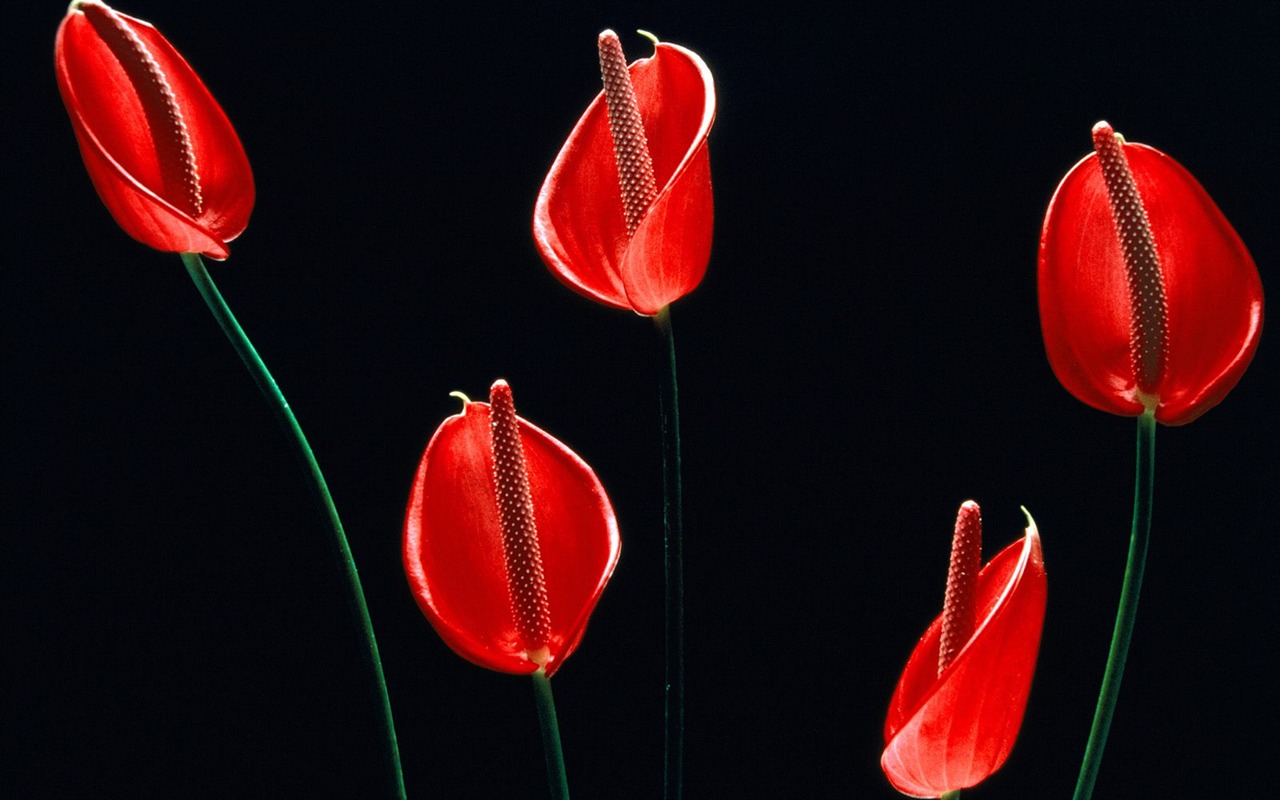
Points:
(955, 795)
(1144, 480)
(244, 348)
(557, 780)
(673, 572)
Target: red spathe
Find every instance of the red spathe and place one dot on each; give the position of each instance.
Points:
(578, 222)
(453, 553)
(950, 731)
(120, 152)
(1212, 291)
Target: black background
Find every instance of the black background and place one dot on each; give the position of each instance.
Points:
(863, 355)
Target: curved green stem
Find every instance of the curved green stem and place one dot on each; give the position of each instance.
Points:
(1144, 480)
(244, 348)
(673, 572)
(557, 780)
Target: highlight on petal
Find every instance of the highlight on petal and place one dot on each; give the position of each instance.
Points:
(579, 225)
(453, 542)
(162, 154)
(1212, 291)
(950, 731)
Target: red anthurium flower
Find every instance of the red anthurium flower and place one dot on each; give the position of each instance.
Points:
(1148, 298)
(958, 706)
(509, 539)
(162, 154)
(624, 216)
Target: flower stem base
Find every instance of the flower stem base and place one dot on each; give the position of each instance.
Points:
(557, 780)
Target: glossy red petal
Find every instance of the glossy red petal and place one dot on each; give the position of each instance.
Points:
(453, 553)
(578, 222)
(951, 731)
(1212, 289)
(121, 156)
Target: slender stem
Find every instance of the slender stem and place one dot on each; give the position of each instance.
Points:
(673, 573)
(262, 377)
(951, 795)
(557, 781)
(1142, 496)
